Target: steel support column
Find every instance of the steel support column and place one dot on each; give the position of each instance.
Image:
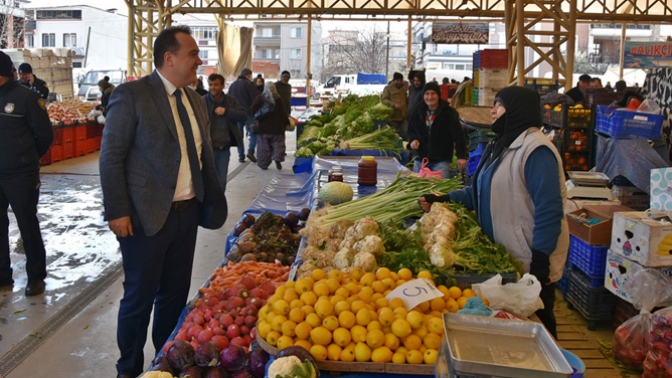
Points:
(146, 20)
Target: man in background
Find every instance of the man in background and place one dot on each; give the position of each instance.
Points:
(578, 93)
(415, 93)
(245, 91)
(395, 96)
(596, 83)
(30, 81)
(285, 90)
(225, 113)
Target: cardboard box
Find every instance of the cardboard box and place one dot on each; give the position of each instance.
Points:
(576, 204)
(639, 238)
(620, 270)
(597, 234)
(632, 197)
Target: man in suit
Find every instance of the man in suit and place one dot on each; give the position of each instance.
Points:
(159, 184)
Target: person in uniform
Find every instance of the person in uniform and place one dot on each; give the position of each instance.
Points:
(25, 136)
(28, 80)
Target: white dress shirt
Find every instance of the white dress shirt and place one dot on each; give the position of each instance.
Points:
(184, 189)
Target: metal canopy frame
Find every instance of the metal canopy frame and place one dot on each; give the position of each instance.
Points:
(148, 17)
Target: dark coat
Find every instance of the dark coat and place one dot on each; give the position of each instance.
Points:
(285, 92)
(105, 98)
(25, 130)
(244, 91)
(277, 122)
(140, 157)
(576, 95)
(224, 129)
(446, 134)
(39, 86)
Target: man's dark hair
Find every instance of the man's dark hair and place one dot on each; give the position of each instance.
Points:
(596, 79)
(215, 76)
(620, 86)
(166, 41)
(585, 78)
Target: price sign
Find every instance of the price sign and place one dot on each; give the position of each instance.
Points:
(415, 292)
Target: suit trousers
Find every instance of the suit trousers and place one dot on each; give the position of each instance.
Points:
(157, 273)
(22, 191)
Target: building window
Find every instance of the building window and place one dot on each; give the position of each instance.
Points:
(203, 54)
(266, 54)
(206, 33)
(276, 53)
(69, 40)
(48, 40)
(267, 32)
(295, 73)
(59, 14)
(30, 41)
(470, 67)
(459, 67)
(448, 66)
(295, 32)
(76, 64)
(294, 53)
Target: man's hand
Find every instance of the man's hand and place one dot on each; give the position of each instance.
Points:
(31, 79)
(424, 205)
(397, 106)
(220, 110)
(121, 226)
(461, 164)
(415, 144)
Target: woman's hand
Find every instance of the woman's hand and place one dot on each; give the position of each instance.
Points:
(424, 205)
(415, 144)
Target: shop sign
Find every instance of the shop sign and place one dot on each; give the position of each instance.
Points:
(647, 54)
(461, 32)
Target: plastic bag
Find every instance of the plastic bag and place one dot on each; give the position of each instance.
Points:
(520, 298)
(658, 362)
(648, 288)
(649, 106)
(426, 172)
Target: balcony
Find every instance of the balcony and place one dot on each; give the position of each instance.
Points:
(267, 41)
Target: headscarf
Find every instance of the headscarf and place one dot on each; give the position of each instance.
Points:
(270, 92)
(522, 112)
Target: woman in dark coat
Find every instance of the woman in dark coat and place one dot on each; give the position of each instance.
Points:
(271, 136)
(106, 90)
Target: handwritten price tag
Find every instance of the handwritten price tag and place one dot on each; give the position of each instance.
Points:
(415, 292)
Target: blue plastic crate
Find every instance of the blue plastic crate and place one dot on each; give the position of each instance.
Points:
(595, 304)
(591, 259)
(477, 149)
(624, 124)
(472, 164)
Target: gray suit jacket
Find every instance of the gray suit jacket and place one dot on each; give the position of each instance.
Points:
(140, 157)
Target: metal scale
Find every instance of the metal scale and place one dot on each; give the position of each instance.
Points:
(588, 185)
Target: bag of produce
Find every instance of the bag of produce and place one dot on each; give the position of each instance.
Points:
(520, 298)
(658, 362)
(648, 288)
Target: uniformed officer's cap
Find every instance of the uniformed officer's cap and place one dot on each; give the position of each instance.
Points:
(25, 68)
(6, 65)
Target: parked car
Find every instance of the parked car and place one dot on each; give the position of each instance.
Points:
(88, 86)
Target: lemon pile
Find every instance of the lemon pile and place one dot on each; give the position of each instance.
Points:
(346, 317)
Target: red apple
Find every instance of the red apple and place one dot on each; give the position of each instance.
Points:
(233, 331)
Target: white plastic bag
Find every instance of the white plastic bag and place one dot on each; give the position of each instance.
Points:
(520, 298)
(101, 119)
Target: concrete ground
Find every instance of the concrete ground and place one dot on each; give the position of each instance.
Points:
(70, 330)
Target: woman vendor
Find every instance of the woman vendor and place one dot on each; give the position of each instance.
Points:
(519, 193)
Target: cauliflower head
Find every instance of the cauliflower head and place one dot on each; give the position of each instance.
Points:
(365, 227)
(365, 261)
(343, 258)
(372, 244)
(441, 256)
(282, 366)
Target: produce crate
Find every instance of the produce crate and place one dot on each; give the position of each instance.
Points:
(478, 149)
(474, 96)
(472, 164)
(590, 259)
(46, 158)
(493, 58)
(632, 197)
(480, 136)
(624, 124)
(56, 153)
(575, 161)
(563, 283)
(58, 136)
(80, 132)
(600, 97)
(91, 129)
(569, 117)
(595, 305)
(466, 280)
(477, 61)
(542, 86)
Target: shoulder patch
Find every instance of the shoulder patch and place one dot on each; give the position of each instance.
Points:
(41, 103)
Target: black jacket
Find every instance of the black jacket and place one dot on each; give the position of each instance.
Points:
(576, 95)
(415, 97)
(39, 86)
(446, 133)
(105, 98)
(244, 91)
(25, 130)
(224, 130)
(285, 92)
(277, 122)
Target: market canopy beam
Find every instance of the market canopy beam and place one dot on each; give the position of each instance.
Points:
(148, 17)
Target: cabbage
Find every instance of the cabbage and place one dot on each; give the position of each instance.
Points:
(336, 192)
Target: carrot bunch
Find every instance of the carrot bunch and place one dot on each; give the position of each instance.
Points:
(227, 276)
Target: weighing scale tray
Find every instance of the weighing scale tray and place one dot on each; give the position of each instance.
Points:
(494, 347)
(588, 178)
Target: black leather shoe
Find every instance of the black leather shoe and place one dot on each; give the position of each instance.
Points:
(34, 288)
(278, 165)
(251, 156)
